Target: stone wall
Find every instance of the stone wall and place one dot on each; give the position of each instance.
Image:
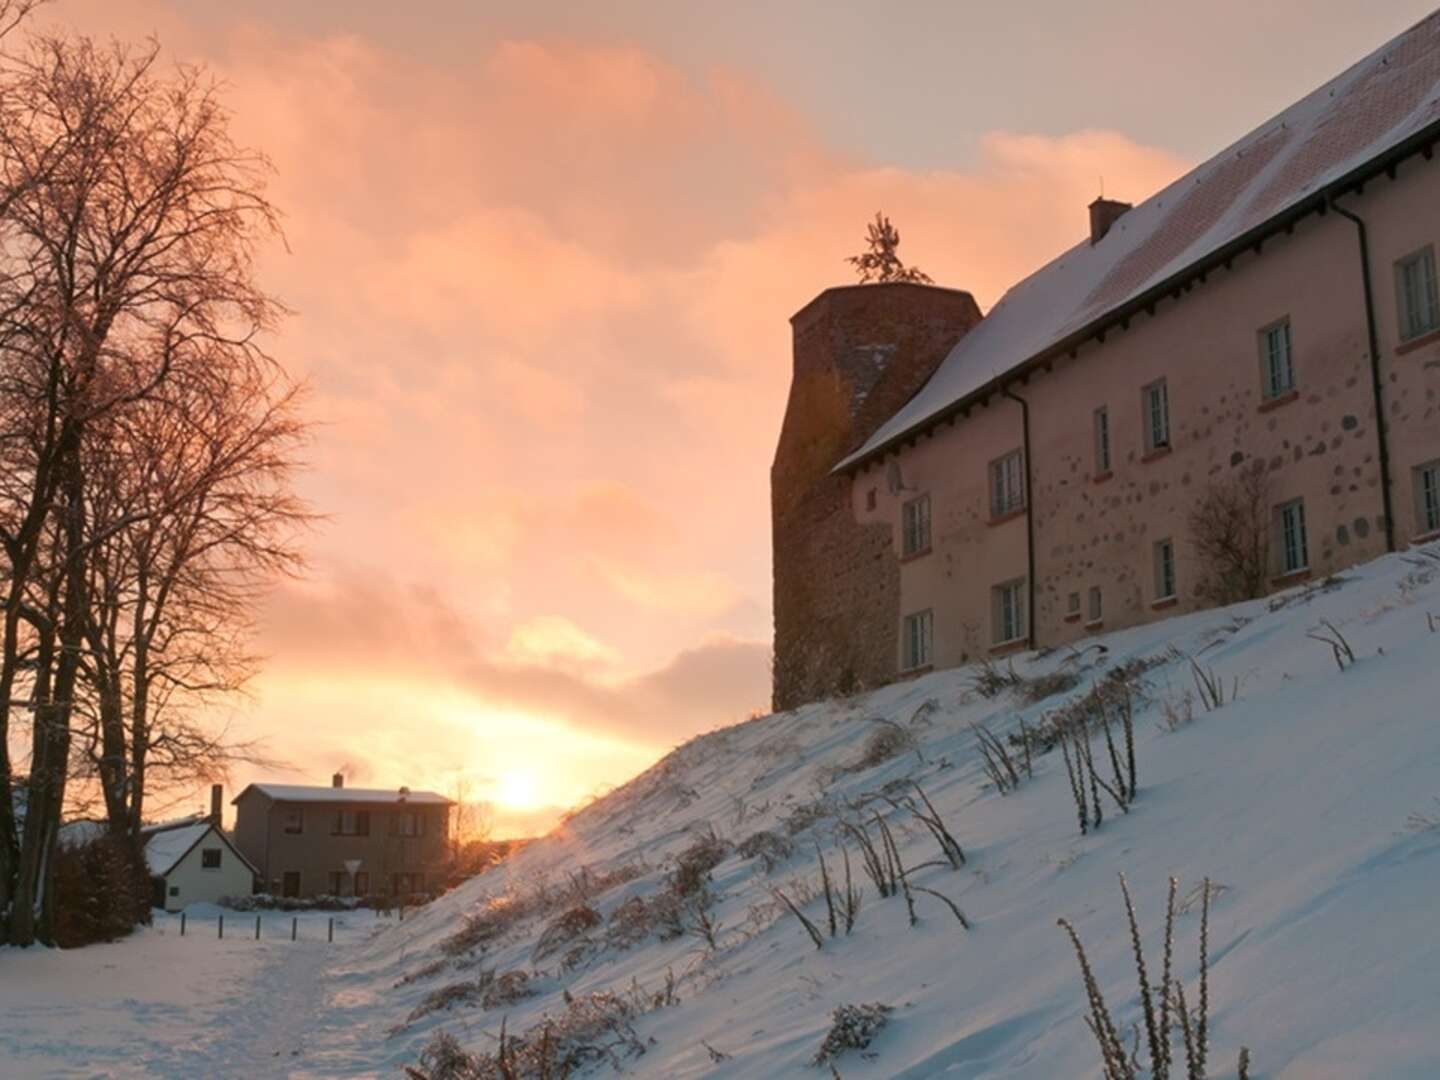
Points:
(860, 352)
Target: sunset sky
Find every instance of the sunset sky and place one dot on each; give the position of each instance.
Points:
(541, 258)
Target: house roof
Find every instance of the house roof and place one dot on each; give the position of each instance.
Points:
(1387, 104)
(320, 794)
(167, 843)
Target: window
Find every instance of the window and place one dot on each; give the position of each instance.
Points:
(919, 631)
(362, 882)
(1156, 399)
(407, 884)
(294, 820)
(1427, 491)
(1164, 570)
(870, 499)
(915, 526)
(1415, 294)
(409, 823)
(1074, 608)
(335, 883)
(210, 858)
(1277, 367)
(1294, 550)
(1102, 441)
(351, 823)
(1007, 484)
(174, 890)
(1008, 601)
(1097, 612)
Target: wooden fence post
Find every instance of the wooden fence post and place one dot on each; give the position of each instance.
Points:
(182, 924)
(331, 934)
(222, 926)
(257, 927)
(294, 926)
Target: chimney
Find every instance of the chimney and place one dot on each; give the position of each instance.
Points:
(1103, 215)
(216, 811)
(338, 780)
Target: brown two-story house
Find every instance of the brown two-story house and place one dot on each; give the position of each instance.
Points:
(339, 841)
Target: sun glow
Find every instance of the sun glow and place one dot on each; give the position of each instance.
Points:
(518, 789)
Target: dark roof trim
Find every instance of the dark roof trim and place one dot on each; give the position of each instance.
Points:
(1422, 142)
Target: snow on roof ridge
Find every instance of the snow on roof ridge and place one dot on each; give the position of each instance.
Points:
(1370, 108)
(322, 793)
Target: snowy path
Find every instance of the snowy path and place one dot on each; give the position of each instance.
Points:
(159, 1005)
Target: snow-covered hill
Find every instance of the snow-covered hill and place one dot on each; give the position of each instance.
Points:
(1309, 801)
(651, 936)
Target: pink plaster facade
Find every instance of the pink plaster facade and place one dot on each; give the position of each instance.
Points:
(1320, 445)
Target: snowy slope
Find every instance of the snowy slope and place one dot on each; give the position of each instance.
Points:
(1297, 800)
(1311, 802)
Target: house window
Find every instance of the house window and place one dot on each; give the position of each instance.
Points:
(1427, 491)
(210, 858)
(1294, 549)
(1277, 367)
(1096, 609)
(335, 883)
(351, 823)
(915, 526)
(409, 823)
(870, 499)
(174, 890)
(1007, 484)
(1156, 399)
(919, 632)
(1102, 440)
(294, 820)
(1415, 293)
(1074, 608)
(1164, 570)
(1008, 604)
(407, 884)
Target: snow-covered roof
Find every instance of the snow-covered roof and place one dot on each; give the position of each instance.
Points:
(1381, 105)
(167, 846)
(321, 794)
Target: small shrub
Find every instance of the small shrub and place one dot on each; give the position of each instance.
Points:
(1039, 687)
(565, 928)
(770, 848)
(887, 741)
(506, 988)
(852, 1027)
(629, 924)
(429, 971)
(461, 993)
(990, 680)
(807, 815)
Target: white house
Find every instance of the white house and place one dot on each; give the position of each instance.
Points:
(192, 862)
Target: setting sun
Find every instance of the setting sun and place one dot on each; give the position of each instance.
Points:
(518, 790)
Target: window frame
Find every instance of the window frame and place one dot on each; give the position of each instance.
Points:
(1271, 386)
(1427, 497)
(1289, 515)
(1074, 606)
(205, 854)
(1413, 323)
(293, 823)
(1158, 435)
(1095, 612)
(1008, 612)
(1007, 484)
(917, 652)
(359, 825)
(915, 526)
(1167, 580)
(1100, 425)
(397, 820)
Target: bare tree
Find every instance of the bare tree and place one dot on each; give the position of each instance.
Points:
(1230, 528)
(880, 261)
(128, 224)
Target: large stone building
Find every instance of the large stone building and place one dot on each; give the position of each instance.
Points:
(949, 487)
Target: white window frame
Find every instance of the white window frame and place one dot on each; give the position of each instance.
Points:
(1166, 581)
(1096, 611)
(1277, 360)
(1427, 497)
(1291, 540)
(1155, 402)
(1008, 604)
(1007, 484)
(918, 639)
(1102, 441)
(219, 859)
(1416, 297)
(915, 526)
(1074, 604)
